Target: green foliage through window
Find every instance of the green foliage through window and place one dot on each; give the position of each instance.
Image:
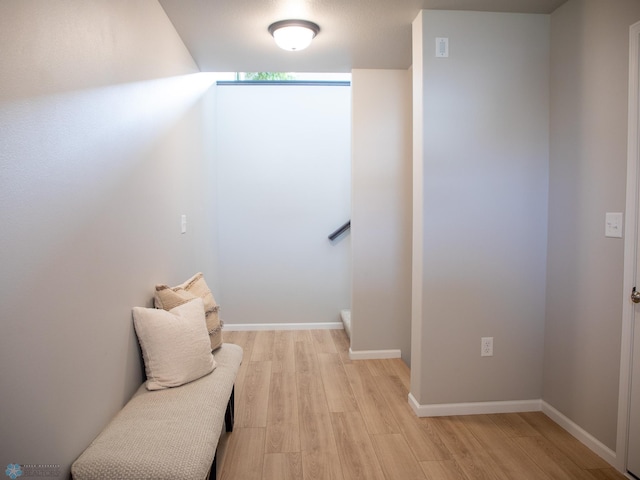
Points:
(265, 76)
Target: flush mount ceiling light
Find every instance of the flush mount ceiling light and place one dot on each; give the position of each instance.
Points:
(293, 35)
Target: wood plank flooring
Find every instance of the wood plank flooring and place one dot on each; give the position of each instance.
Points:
(305, 411)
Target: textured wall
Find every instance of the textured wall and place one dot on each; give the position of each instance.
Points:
(284, 163)
(381, 211)
(589, 85)
(484, 207)
(102, 150)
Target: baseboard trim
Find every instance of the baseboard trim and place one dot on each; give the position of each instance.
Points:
(243, 327)
(473, 408)
(476, 408)
(373, 354)
(582, 435)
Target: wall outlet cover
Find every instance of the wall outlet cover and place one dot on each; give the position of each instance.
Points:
(486, 347)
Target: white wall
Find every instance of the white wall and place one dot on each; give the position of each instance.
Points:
(483, 202)
(589, 85)
(284, 186)
(102, 149)
(381, 211)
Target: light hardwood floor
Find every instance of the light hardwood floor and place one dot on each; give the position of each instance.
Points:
(304, 410)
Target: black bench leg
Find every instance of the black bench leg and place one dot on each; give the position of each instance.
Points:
(228, 421)
(228, 416)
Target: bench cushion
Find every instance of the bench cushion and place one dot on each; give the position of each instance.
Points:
(165, 434)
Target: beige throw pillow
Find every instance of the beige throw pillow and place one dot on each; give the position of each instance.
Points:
(169, 297)
(175, 344)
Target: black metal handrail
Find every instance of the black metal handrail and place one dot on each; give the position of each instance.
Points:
(340, 231)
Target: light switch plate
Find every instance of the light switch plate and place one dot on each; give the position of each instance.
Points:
(442, 47)
(183, 224)
(613, 225)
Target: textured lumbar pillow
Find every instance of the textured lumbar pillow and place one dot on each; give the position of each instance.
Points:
(175, 344)
(167, 297)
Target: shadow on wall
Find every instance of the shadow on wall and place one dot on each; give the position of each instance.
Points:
(88, 180)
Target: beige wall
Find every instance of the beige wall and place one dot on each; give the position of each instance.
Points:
(279, 196)
(103, 149)
(101, 128)
(483, 206)
(588, 125)
(381, 211)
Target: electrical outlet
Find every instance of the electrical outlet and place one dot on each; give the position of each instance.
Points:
(486, 347)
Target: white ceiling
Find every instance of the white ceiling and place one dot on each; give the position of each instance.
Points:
(231, 35)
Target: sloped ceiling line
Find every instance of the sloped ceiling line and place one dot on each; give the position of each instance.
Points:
(232, 36)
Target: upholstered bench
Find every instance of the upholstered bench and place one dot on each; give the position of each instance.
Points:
(167, 434)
